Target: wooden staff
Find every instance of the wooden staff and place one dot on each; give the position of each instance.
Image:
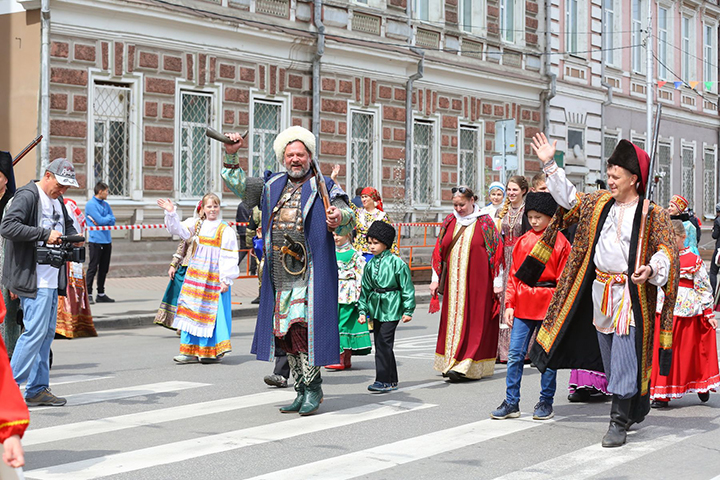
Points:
(27, 150)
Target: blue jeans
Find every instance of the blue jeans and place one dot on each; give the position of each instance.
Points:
(31, 358)
(522, 332)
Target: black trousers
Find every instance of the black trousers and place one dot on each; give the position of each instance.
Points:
(714, 271)
(282, 367)
(385, 366)
(99, 264)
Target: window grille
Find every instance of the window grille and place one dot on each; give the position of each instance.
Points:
(640, 142)
(266, 126)
(468, 161)
(195, 167)
(423, 162)
(688, 167)
(111, 118)
(427, 38)
(276, 8)
(663, 190)
(709, 189)
(609, 143)
(361, 152)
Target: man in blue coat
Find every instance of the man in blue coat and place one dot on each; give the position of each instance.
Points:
(298, 301)
(99, 214)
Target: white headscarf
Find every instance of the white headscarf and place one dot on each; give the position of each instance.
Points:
(470, 218)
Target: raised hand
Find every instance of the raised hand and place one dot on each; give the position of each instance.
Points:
(232, 148)
(543, 149)
(334, 173)
(166, 204)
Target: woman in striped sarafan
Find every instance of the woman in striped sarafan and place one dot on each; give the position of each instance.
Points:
(204, 312)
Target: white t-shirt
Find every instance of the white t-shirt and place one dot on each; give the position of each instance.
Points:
(52, 218)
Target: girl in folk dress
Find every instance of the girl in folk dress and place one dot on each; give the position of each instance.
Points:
(178, 266)
(512, 224)
(372, 211)
(204, 312)
(496, 195)
(354, 336)
(694, 367)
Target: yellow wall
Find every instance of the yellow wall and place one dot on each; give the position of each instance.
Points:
(19, 88)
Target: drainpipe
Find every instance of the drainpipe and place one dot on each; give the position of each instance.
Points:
(44, 83)
(409, 127)
(316, 70)
(549, 94)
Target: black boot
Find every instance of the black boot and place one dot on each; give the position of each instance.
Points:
(619, 423)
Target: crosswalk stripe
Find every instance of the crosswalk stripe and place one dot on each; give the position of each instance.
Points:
(152, 417)
(593, 460)
(127, 392)
(211, 444)
(64, 380)
(391, 455)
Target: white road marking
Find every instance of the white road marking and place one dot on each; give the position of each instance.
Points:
(127, 392)
(593, 460)
(391, 455)
(152, 417)
(211, 444)
(64, 380)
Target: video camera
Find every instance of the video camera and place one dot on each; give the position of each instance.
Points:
(66, 252)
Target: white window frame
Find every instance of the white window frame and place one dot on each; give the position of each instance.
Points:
(687, 44)
(664, 43)
(135, 141)
(285, 116)
(636, 137)
(611, 36)
(376, 145)
(637, 17)
(435, 12)
(572, 40)
(710, 57)
(512, 31)
(477, 23)
(479, 184)
(709, 210)
(671, 143)
(434, 168)
(684, 144)
(612, 133)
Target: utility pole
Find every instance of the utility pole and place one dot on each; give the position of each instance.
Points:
(650, 77)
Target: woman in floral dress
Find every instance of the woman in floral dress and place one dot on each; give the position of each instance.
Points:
(372, 211)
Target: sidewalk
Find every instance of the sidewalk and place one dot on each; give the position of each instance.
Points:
(137, 301)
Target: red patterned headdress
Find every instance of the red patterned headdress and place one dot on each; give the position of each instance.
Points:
(372, 193)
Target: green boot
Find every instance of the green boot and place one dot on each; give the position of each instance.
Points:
(297, 373)
(313, 397)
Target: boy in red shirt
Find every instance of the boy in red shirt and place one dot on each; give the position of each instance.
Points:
(526, 306)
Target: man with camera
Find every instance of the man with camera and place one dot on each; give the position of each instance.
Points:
(36, 251)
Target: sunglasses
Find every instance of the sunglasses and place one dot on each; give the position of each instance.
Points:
(462, 190)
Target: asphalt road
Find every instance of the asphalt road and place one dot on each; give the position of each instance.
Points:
(134, 414)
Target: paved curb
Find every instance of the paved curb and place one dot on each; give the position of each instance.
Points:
(147, 319)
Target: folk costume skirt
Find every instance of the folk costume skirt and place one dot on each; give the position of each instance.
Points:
(219, 342)
(354, 336)
(168, 306)
(694, 366)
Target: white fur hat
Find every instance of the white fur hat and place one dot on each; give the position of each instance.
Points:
(290, 135)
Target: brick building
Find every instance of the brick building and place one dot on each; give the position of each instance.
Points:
(134, 83)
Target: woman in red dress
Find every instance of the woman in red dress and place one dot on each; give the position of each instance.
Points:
(694, 367)
(468, 334)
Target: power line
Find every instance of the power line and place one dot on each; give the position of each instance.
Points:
(685, 84)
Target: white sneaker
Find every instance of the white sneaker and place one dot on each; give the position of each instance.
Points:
(186, 359)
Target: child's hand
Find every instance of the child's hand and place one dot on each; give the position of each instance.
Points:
(713, 323)
(509, 316)
(166, 204)
(362, 319)
(406, 318)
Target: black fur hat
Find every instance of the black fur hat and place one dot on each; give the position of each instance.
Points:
(384, 232)
(542, 202)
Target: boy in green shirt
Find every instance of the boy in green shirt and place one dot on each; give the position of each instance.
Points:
(387, 297)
